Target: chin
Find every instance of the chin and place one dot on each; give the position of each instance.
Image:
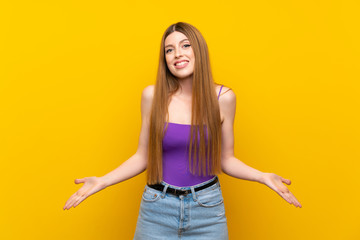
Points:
(180, 76)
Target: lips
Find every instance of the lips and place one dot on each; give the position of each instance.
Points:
(180, 62)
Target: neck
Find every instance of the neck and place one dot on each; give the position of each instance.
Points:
(186, 86)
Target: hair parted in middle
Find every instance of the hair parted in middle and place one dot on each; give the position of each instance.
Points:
(205, 110)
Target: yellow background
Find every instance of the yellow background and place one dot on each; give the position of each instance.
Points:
(71, 78)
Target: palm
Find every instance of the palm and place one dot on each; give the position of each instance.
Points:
(275, 182)
(91, 186)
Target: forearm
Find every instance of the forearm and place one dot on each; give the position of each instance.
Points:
(135, 165)
(236, 168)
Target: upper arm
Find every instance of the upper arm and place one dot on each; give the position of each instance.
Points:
(146, 102)
(227, 103)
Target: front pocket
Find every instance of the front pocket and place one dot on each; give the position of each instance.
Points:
(210, 198)
(151, 195)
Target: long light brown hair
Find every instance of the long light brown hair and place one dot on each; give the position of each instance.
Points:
(205, 110)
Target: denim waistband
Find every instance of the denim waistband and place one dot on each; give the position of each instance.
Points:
(191, 188)
(188, 187)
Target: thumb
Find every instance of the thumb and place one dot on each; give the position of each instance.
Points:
(287, 181)
(79, 180)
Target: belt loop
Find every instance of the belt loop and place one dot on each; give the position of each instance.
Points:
(218, 181)
(193, 193)
(164, 191)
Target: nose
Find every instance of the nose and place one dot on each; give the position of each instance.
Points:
(178, 53)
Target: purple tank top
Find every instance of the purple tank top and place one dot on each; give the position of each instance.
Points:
(176, 156)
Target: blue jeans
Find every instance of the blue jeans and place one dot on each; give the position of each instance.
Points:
(199, 215)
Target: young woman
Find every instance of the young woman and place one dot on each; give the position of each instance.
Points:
(186, 139)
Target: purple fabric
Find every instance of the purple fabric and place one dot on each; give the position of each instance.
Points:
(220, 91)
(176, 156)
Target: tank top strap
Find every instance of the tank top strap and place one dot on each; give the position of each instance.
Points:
(220, 91)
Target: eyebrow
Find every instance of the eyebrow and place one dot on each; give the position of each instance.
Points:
(179, 42)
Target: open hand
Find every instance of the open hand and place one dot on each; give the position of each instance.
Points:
(275, 182)
(91, 186)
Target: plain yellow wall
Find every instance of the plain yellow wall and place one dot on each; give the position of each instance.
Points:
(71, 78)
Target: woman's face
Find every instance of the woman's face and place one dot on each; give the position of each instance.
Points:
(179, 55)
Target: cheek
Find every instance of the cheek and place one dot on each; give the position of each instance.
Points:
(193, 60)
(167, 62)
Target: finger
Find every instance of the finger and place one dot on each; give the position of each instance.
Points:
(81, 192)
(287, 181)
(79, 180)
(85, 194)
(73, 199)
(286, 197)
(70, 200)
(296, 201)
(291, 199)
(284, 193)
(79, 200)
(79, 195)
(299, 204)
(71, 204)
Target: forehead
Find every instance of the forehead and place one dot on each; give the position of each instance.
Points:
(174, 38)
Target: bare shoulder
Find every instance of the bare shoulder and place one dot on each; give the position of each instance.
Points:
(227, 95)
(146, 100)
(227, 104)
(148, 92)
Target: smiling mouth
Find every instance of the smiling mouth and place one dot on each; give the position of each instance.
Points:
(181, 63)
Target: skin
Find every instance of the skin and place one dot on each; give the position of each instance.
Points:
(179, 112)
(178, 48)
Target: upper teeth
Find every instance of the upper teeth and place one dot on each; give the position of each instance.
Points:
(180, 63)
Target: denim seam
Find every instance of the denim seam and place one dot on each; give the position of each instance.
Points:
(181, 215)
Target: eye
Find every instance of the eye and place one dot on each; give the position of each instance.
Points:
(167, 51)
(188, 45)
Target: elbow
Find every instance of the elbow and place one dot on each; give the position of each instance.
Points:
(225, 162)
(142, 159)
